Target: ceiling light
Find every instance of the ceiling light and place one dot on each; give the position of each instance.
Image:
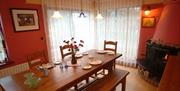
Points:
(82, 13)
(57, 14)
(99, 16)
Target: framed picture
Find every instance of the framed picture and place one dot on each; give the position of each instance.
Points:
(148, 22)
(25, 19)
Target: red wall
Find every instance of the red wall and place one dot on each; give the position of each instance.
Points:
(21, 44)
(168, 29)
(147, 33)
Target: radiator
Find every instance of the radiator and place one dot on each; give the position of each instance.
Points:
(14, 69)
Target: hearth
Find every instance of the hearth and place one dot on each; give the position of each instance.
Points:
(152, 66)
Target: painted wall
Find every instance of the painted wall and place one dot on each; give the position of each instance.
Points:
(21, 44)
(168, 29)
(147, 33)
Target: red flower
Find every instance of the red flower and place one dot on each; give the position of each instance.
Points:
(81, 41)
(72, 38)
(73, 43)
(81, 45)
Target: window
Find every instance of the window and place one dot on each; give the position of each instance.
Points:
(71, 25)
(121, 25)
(3, 52)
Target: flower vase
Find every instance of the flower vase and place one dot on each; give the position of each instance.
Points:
(74, 60)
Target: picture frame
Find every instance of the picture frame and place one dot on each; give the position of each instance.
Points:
(25, 19)
(148, 22)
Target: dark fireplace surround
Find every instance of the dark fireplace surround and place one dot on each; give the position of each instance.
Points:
(156, 57)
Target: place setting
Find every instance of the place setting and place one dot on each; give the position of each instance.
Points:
(105, 52)
(101, 51)
(46, 66)
(92, 61)
(80, 55)
(86, 67)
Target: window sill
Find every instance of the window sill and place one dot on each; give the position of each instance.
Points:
(8, 64)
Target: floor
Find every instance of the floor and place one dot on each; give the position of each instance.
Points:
(134, 82)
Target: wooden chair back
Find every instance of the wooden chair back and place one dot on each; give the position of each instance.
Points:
(37, 58)
(66, 50)
(110, 46)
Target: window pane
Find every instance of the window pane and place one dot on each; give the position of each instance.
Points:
(3, 55)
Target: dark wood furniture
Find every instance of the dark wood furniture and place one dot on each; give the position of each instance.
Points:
(109, 82)
(66, 50)
(37, 58)
(111, 46)
(61, 79)
(1, 88)
(155, 58)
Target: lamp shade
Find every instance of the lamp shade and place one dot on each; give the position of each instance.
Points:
(168, 27)
(57, 14)
(147, 11)
(99, 16)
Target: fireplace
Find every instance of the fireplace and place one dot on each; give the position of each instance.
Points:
(155, 59)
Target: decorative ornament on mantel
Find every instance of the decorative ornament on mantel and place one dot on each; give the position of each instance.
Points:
(75, 48)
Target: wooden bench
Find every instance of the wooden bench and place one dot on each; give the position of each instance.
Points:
(109, 82)
(1, 88)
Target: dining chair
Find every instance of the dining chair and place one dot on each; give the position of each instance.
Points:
(110, 46)
(37, 58)
(65, 51)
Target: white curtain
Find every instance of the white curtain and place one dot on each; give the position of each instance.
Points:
(71, 25)
(121, 23)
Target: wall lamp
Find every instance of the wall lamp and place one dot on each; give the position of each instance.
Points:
(147, 11)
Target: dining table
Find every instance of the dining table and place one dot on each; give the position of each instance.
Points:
(62, 78)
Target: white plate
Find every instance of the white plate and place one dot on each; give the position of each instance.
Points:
(85, 53)
(90, 56)
(78, 55)
(48, 65)
(87, 67)
(57, 62)
(101, 51)
(95, 62)
(110, 53)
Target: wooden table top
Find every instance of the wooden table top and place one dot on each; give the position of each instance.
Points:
(57, 78)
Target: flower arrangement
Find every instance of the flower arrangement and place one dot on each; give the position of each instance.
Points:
(76, 46)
